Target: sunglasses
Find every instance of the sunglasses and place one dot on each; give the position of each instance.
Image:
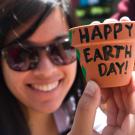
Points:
(23, 56)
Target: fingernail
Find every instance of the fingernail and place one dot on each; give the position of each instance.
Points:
(95, 23)
(125, 18)
(91, 88)
(111, 20)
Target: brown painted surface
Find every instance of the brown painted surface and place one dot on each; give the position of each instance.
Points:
(107, 52)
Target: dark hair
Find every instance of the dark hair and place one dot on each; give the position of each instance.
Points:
(13, 13)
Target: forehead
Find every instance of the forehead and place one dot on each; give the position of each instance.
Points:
(53, 26)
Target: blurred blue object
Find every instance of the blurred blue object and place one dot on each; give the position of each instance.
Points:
(88, 2)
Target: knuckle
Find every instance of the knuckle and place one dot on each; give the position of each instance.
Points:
(84, 102)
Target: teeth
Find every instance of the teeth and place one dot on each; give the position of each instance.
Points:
(46, 87)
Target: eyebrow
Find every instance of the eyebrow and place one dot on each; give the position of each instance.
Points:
(53, 40)
(26, 41)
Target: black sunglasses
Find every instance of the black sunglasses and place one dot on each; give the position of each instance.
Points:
(23, 56)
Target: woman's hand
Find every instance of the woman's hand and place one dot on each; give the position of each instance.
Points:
(85, 114)
(120, 110)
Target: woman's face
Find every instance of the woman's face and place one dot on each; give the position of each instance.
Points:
(44, 88)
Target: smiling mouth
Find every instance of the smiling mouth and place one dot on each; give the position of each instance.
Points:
(45, 87)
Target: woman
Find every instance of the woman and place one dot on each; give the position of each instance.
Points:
(40, 75)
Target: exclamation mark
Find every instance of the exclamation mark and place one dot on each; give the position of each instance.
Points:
(126, 66)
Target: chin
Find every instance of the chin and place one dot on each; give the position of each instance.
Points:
(50, 108)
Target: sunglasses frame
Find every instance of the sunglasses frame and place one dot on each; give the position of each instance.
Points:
(26, 45)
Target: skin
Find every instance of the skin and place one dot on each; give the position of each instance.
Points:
(39, 105)
(120, 110)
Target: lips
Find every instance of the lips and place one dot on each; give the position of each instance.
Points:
(45, 87)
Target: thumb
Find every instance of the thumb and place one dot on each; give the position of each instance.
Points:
(85, 114)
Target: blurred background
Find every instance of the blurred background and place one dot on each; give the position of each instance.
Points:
(90, 10)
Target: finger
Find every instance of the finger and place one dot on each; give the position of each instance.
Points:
(110, 20)
(128, 126)
(106, 92)
(85, 114)
(118, 98)
(132, 103)
(128, 93)
(109, 130)
(120, 117)
(131, 85)
(95, 23)
(112, 112)
(124, 96)
(133, 81)
(124, 18)
(120, 105)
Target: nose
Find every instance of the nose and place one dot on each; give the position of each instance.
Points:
(45, 67)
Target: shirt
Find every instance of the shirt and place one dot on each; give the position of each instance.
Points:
(65, 114)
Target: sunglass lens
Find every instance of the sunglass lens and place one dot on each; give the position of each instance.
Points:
(63, 53)
(20, 59)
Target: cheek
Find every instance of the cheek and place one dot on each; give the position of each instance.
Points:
(70, 74)
(14, 80)
(72, 71)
